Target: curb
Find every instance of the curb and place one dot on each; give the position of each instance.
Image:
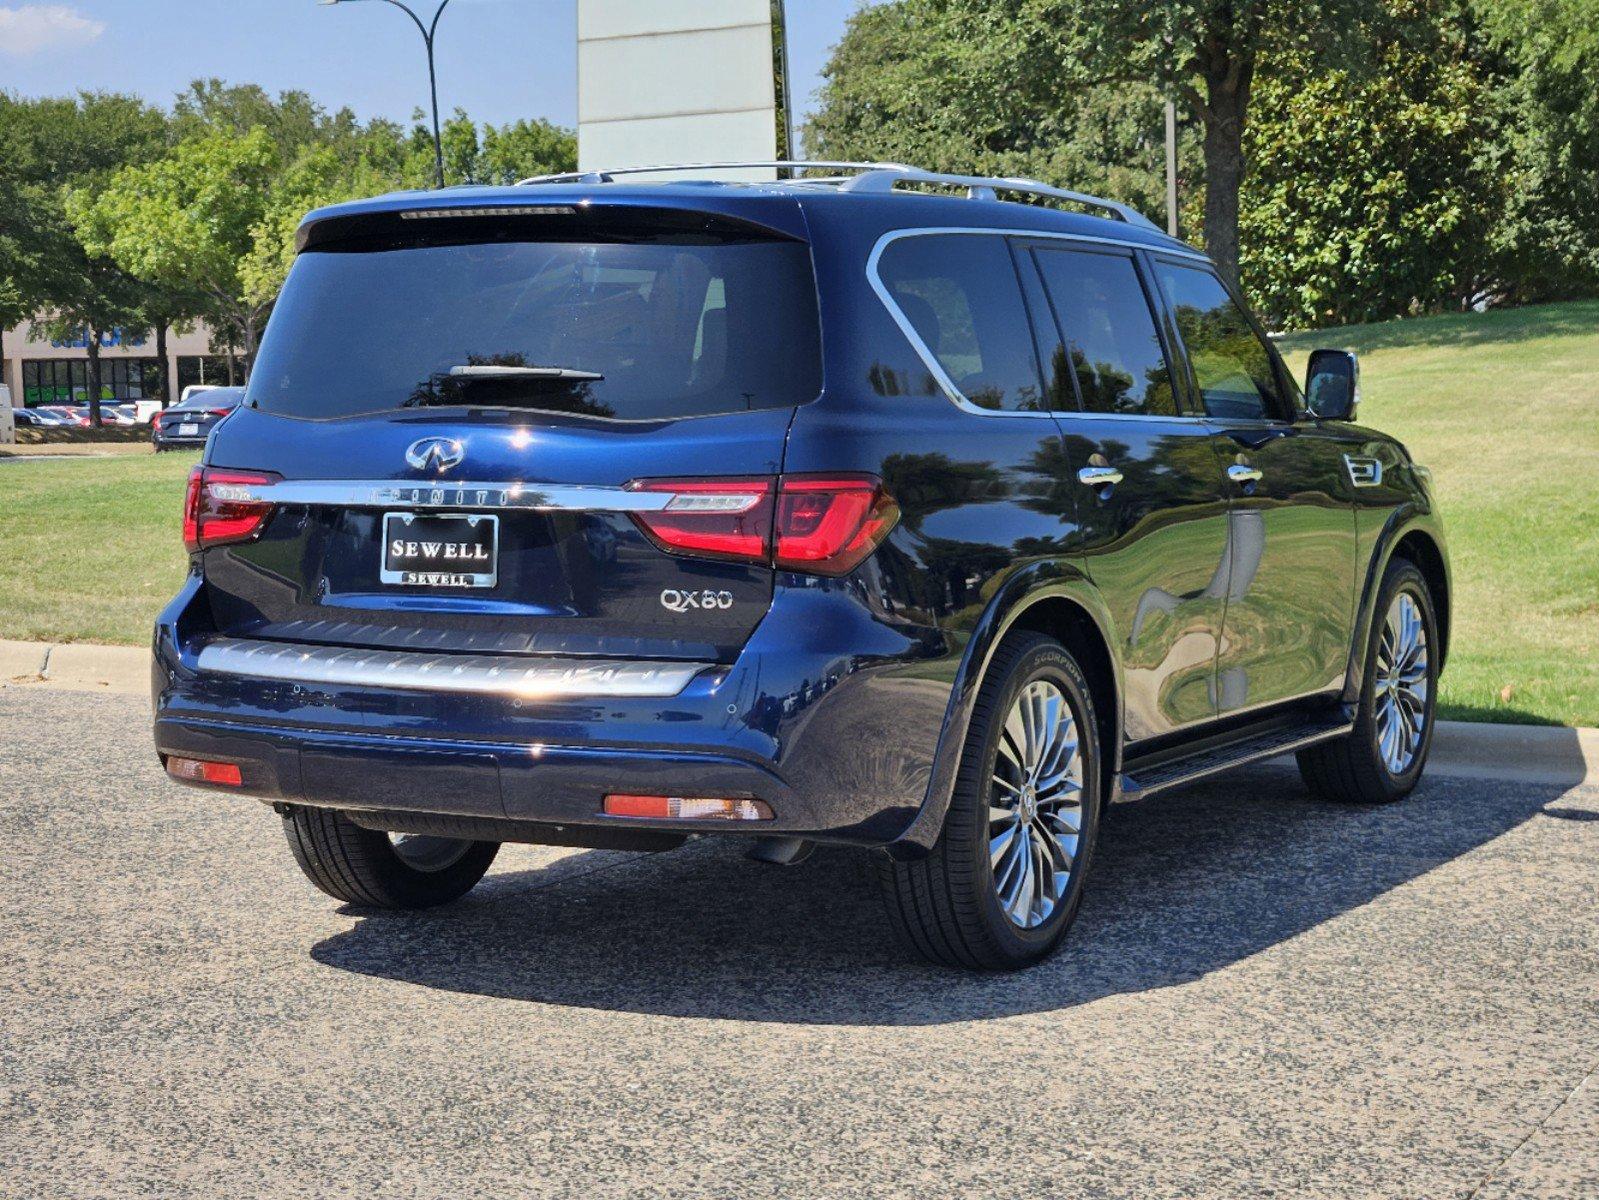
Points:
(1545, 754)
(75, 667)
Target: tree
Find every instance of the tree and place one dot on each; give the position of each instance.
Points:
(945, 86)
(1546, 55)
(497, 155)
(1372, 195)
(1013, 58)
(186, 222)
(49, 146)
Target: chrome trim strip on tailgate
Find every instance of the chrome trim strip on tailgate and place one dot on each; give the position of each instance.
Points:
(378, 493)
(501, 675)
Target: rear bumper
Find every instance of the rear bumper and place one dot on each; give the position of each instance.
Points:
(827, 715)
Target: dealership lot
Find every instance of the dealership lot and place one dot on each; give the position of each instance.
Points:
(1264, 996)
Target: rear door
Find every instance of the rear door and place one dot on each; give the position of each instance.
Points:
(465, 432)
(1290, 594)
(1152, 508)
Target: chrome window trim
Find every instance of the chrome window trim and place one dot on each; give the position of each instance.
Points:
(523, 676)
(466, 494)
(930, 360)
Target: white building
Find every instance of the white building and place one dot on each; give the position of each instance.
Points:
(41, 370)
(677, 83)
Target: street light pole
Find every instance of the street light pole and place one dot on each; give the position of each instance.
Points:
(427, 31)
(1171, 167)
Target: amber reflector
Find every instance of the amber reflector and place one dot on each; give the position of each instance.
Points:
(197, 770)
(687, 808)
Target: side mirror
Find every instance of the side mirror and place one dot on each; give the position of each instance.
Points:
(1332, 384)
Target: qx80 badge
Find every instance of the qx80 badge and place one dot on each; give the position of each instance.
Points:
(680, 602)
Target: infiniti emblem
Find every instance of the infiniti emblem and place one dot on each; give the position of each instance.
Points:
(440, 453)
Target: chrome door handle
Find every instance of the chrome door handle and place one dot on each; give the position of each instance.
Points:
(1242, 473)
(1099, 476)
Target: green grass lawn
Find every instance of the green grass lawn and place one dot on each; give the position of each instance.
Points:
(90, 548)
(1504, 407)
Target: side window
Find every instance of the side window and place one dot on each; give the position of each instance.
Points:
(1108, 332)
(961, 294)
(1232, 365)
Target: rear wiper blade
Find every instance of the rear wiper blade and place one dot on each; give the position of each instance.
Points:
(572, 374)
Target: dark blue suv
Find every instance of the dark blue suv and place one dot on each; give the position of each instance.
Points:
(865, 508)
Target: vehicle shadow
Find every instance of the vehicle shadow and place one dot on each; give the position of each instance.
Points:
(1184, 883)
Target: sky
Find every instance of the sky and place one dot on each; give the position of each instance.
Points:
(501, 60)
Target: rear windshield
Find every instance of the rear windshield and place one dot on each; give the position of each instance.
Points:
(625, 331)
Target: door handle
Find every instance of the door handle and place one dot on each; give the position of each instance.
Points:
(1099, 476)
(1243, 474)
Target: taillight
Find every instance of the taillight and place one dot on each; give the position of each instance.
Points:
(711, 518)
(219, 412)
(155, 419)
(218, 507)
(830, 525)
(820, 525)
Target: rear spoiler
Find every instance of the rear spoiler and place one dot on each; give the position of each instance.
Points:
(424, 223)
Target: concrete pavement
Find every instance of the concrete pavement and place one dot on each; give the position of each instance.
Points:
(1264, 996)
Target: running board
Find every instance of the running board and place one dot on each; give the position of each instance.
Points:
(1138, 780)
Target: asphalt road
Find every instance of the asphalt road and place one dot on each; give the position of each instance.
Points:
(1264, 996)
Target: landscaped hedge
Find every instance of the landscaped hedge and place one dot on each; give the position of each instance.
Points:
(33, 435)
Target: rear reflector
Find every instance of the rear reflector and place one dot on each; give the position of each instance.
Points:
(218, 507)
(198, 770)
(820, 525)
(687, 808)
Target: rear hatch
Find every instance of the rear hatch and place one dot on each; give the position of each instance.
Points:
(460, 425)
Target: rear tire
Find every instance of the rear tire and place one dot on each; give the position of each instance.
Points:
(370, 868)
(1001, 886)
(1382, 759)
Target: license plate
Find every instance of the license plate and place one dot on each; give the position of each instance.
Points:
(456, 550)
(188, 431)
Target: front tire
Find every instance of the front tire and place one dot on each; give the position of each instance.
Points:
(1001, 886)
(373, 869)
(1382, 759)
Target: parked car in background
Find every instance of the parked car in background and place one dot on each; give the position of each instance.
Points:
(189, 422)
(40, 418)
(609, 514)
(144, 411)
(194, 389)
(67, 414)
(121, 415)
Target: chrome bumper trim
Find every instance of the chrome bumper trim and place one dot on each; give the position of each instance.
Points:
(475, 495)
(483, 674)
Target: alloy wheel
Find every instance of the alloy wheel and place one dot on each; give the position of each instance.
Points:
(1402, 686)
(1035, 806)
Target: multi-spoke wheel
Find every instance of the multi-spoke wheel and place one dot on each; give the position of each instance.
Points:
(1383, 758)
(1402, 684)
(1035, 808)
(1001, 886)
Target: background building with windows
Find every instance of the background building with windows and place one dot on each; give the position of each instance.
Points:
(44, 370)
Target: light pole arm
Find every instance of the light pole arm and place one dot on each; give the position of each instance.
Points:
(427, 32)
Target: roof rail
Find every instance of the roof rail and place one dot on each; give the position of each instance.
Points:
(607, 175)
(984, 187)
(874, 177)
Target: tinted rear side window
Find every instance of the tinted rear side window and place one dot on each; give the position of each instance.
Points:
(1231, 364)
(1109, 332)
(671, 329)
(961, 294)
